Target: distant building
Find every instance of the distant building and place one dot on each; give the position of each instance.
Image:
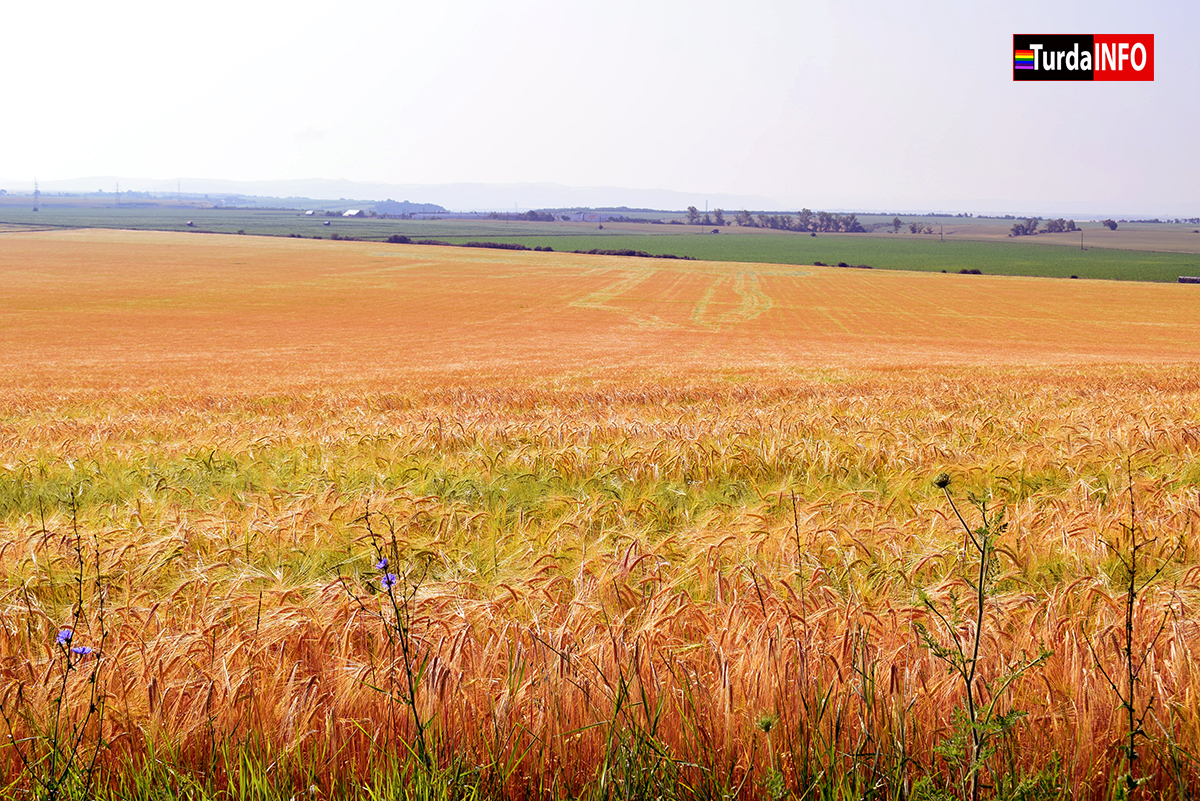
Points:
(354, 213)
(309, 213)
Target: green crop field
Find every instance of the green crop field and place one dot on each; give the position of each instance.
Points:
(927, 255)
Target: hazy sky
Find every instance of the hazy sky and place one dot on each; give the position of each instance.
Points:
(824, 104)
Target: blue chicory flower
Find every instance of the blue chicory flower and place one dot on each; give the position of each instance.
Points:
(81, 650)
(388, 581)
(382, 563)
(64, 636)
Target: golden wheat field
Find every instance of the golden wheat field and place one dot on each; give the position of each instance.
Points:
(653, 528)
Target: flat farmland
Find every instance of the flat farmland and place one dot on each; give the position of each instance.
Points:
(1135, 252)
(94, 306)
(999, 256)
(356, 520)
(1158, 239)
(1151, 238)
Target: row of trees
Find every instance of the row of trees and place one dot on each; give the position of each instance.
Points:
(1060, 226)
(827, 222)
(528, 216)
(804, 220)
(1055, 226)
(694, 218)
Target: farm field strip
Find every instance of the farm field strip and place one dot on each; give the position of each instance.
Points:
(96, 307)
(1003, 257)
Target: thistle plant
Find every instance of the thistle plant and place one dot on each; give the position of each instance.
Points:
(775, 784)
(1137, 569)
(980, 723)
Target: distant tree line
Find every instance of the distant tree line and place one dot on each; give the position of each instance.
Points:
(694, 218)
(1055, 226)
(1177, 221)
(529, 216)
(1060, 226)
(1027, 228)
(804, 220)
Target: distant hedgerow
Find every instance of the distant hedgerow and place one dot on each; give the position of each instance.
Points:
(626, 252)
(497, 245)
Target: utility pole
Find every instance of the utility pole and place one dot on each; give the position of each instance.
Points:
(118, 193)
(37, 195)
(1081, 239)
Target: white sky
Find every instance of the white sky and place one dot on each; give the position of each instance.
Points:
(824, 104)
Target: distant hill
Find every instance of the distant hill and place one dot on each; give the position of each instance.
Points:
(390, 206)
(326, 193)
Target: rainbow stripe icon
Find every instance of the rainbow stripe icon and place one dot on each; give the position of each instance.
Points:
(1022, 59)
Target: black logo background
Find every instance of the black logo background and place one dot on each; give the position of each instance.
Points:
(1051, 42)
